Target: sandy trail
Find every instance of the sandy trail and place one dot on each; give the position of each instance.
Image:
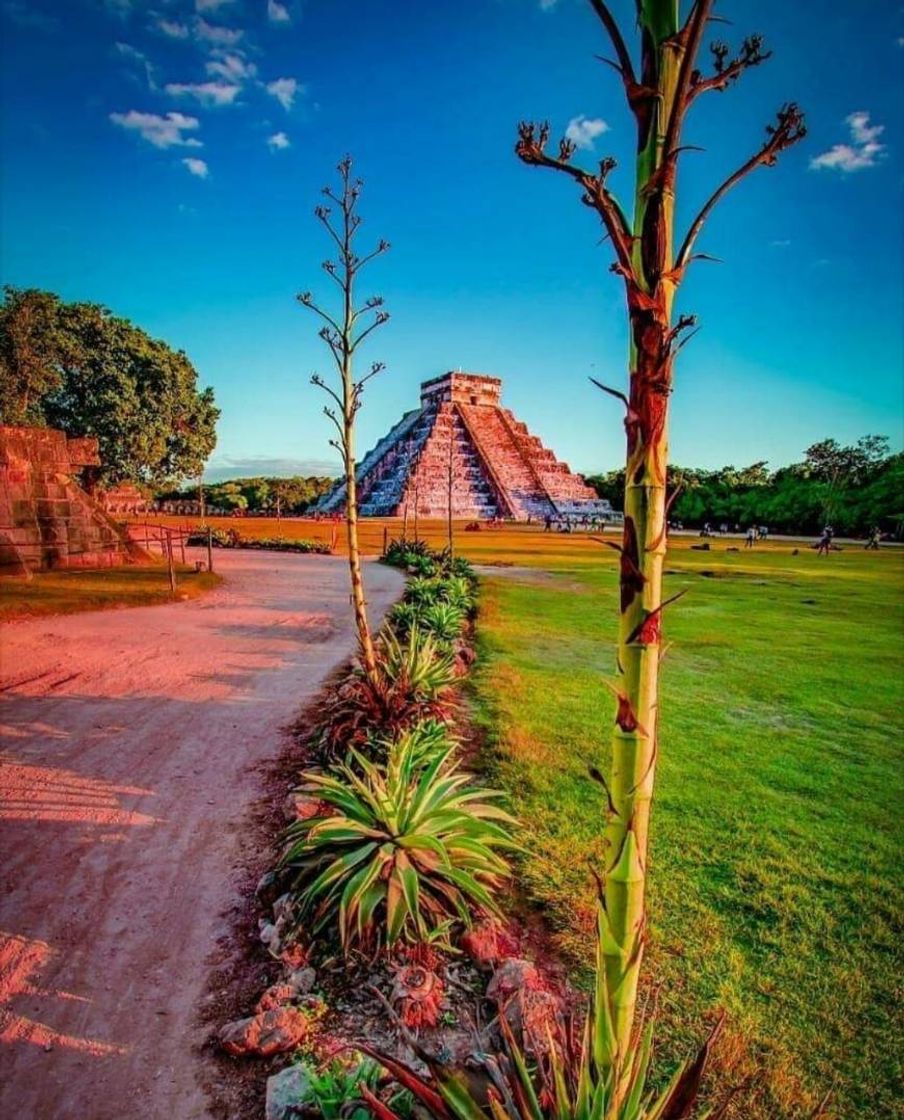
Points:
(129, 741)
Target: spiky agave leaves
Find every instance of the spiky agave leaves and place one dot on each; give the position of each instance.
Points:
(581, 1076)
(406, 849)
(414, 681)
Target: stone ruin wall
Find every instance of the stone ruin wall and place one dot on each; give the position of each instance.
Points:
(46, 519)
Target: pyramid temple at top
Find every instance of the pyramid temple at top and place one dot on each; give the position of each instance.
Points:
(462, 439)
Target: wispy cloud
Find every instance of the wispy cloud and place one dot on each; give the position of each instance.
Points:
(780, 243)
(285, 90)
(163, 132)
(172, 28)
(27, 16)
(121, 8)
(212, 94)
(219, 36)
(277, 13)
(548, 5)
(864, 149)
(278, 142)
(582, 131)
(211, 5)
(231, 66)
(196, 167)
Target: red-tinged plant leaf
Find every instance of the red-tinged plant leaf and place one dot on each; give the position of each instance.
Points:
(380, 1110)
(684, 1093)
(409, 1080)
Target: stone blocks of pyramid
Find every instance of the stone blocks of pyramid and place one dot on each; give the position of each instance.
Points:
(462, 446)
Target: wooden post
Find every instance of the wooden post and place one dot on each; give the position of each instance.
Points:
(209, 549)
(170, 562)
(182, 536)
(385, 535)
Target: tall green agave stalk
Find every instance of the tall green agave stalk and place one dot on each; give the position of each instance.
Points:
(343, 332)
(660, 89)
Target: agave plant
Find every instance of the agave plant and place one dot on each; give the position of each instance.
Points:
(414, 681)
(406, 848)
(404, 616)
(418, 746)
(580, 1075)
(443, 621)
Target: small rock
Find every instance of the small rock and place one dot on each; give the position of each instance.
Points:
(277, 995)
(267, 930)
(268, 889)
(301, 807)
(302, 980)
(282, 910)
(287, 1093)
(268, 1032)
(513, 975)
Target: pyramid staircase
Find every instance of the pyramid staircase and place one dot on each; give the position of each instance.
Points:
(462, 445)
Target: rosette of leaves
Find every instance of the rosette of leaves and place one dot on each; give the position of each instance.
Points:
(401, 849)
(443, 620)
(414, 681)
(418, 746)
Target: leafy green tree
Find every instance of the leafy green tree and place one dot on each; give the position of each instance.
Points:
(30, 344)
(78, 367)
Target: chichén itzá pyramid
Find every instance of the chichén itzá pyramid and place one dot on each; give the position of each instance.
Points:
(462, 439)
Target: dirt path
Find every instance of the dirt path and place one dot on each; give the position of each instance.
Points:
(129, 741)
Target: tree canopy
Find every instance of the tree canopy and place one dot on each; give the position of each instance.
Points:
(263, 494)
(78, 367)
(854, 487)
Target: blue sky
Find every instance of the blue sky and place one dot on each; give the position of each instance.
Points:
(163, 157)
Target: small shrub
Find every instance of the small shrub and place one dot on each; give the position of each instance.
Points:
(414, 682)
(443, 620)
(406, 849)
(403, 616)
(334, 1091)
(420, 745)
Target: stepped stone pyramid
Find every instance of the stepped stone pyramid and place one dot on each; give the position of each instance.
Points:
(462, 437)
(46, 519)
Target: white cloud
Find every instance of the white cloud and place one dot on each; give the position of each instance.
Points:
(232, 67)
(547, 5)
(196, 167)
(284, 90)
(220, 36)
(121, 8)
(582, 131)
(211, 5)
(278, 13)
(212, 94)
(172, 28)
(128, 51)
(781, 243)
(863, 151)
(278, 142)
(162, 132)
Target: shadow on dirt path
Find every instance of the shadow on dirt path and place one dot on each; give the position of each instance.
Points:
(130, 751)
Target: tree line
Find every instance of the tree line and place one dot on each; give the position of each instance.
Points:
(79, 367)
(854, 488)
(264, 494)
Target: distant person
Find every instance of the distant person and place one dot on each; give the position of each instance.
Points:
(825, 542)
(750, 538)
(723, 528)
(872, 542)
(764, 532)
(706, 531)
(547, 524)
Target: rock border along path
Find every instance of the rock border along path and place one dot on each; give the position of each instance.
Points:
(128, 746)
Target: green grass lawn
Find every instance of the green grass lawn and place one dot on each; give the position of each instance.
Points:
(776, 888)
(66, 592)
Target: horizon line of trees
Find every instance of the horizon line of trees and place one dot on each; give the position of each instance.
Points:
(855, 488)
(260, 494)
